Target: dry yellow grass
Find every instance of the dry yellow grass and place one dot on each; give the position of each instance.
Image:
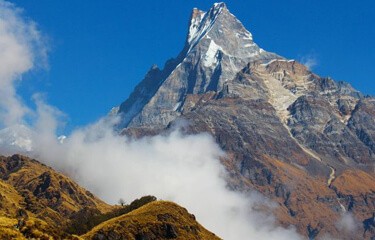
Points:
(52, 189)
(34, 176)
(8, 230)
(10, 200)
(46, 199)
(156, 220)
(354, 182)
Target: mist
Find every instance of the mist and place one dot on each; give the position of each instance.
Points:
(182, 168)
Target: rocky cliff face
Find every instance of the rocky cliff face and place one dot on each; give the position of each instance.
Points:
(305, 141)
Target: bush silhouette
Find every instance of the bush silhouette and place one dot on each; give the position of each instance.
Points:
(87, 218)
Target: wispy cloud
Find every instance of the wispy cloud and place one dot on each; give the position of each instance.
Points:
(347, 224)
(310, 61)
(21, 47)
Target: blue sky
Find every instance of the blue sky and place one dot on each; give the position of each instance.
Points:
(100, 49)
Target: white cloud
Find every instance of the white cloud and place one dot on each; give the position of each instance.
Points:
(347, 224)
(310, 61)
(20, 45)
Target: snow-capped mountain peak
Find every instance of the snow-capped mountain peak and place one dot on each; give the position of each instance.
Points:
(202, 21)
(224, 29)
(195, 22)
(217, 47)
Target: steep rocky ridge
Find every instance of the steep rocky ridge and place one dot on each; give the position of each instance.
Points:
(288, 133)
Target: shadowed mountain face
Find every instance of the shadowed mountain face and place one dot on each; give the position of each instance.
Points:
(305, 141)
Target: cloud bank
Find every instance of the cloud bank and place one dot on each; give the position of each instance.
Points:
(184, 169)
(176, 167)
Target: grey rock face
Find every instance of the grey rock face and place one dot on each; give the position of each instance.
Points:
(144, 92)
(315, 125)
(362, 122)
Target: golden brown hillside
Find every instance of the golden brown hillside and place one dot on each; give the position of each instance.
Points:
(36, 202)
(45, 192)
(35, 198)
(156, 220)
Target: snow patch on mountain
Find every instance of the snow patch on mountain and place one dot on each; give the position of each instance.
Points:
(211, 54)
(61, 139)
(196, 19)
(202, 23)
